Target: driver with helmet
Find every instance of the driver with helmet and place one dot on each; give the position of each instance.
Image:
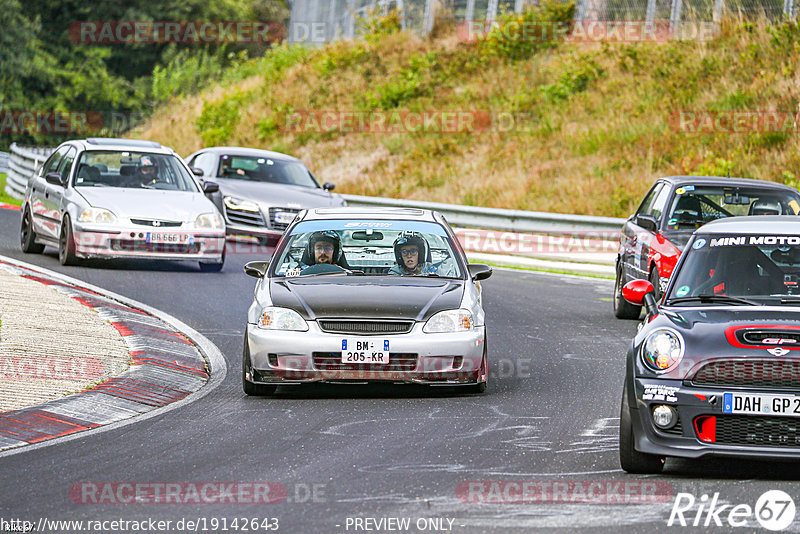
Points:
(411, 253)
(323, 247)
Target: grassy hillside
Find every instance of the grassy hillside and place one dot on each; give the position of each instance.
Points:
(592, 129)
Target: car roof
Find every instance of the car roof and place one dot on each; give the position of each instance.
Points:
(721, 180)
(242, 151)
(115, 144)
(396, 214)
(753, 224)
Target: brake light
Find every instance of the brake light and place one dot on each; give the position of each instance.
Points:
(706, 427)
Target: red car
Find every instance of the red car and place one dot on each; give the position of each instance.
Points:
(652, 238)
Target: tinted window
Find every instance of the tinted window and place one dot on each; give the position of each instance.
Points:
(205, 161)
(264, 169)
(66, 165)
(139, 170)
(51, 165)
(657, 208)
(644, 208)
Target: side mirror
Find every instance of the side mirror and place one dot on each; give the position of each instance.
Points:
(640, 292)
(210, 187)
(479, 271)
(328, 186)
(648, 222)
(197, 171)
(54, 178)
(256, 269)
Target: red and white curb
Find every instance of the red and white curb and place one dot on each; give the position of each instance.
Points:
(9, 207)
(172, 365)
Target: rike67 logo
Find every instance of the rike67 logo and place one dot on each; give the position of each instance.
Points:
(774, 510)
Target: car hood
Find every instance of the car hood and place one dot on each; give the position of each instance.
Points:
(376, 297)
(149, 203)
(280, 195)
(715, 332)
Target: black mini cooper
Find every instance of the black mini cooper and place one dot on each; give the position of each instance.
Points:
(715, 367)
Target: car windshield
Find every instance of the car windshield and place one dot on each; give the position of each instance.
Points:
(693, 206)
(264, 169)
(138, 170)
(754, 267)
(390, 248)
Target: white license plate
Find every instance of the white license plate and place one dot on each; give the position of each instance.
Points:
(161, 237)
(761, 404)
(365, 350)
(284, 217)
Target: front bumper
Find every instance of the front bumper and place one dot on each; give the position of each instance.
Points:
(763, 441)
(279, 357)
(131, 241)
(233, 229)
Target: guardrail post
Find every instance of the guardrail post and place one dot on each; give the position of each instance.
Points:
(470, 15)
(651, 11)
(427, 18)
(491, 11)
(519, 5)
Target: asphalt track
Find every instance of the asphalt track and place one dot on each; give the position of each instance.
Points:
(343, 453)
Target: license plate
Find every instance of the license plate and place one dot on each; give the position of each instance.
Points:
(761, 404)
(161, 237)
(284, 217)
(365, 350)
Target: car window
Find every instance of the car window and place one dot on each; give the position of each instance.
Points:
(648, 199)
(205, 161)
(265, 169)
(660, 201)
(66, 165)
(739, 266)
(131, 169)
(694, 206)
(370, 247)
(51, 165)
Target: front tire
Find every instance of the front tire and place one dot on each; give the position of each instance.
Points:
(622, 308)
(66, 244)
(630, 459)
(249, 388)
(27, 237)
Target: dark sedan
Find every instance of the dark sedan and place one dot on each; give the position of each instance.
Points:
(715, 368)
(260, 191)
(653, 238)
(366, 295)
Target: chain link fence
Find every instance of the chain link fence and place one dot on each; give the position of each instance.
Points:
(321, 21)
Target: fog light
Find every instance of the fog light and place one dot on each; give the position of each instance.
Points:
(664, 416)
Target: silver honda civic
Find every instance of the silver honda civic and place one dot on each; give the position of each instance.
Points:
(121, 198)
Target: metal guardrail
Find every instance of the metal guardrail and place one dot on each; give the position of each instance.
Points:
(22, 163)
(500, 219)
(594, 237)
(4, 161)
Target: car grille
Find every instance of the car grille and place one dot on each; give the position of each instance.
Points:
(758, 430)
(247, 218)
(757, 337)
(770, 374)
(120, 245)
(273, 213)
(156, 224)
(332, 361)
(365, 327)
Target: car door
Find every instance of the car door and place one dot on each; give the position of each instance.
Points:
(633, 236)
(39, 190)
(647, 238)
(53, 195)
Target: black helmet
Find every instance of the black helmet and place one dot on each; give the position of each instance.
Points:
(323, 235)
(410, 238)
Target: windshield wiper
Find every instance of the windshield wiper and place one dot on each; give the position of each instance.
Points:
(705, 299)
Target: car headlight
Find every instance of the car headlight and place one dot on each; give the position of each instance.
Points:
(209, 220)
(273, 318)
(662, 350)
(97, 215)
(240, 204)
(449, 321)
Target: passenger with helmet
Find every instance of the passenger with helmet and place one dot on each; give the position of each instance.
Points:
(766, 206)
(323, 247)
(147, 171)
(412, 254)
